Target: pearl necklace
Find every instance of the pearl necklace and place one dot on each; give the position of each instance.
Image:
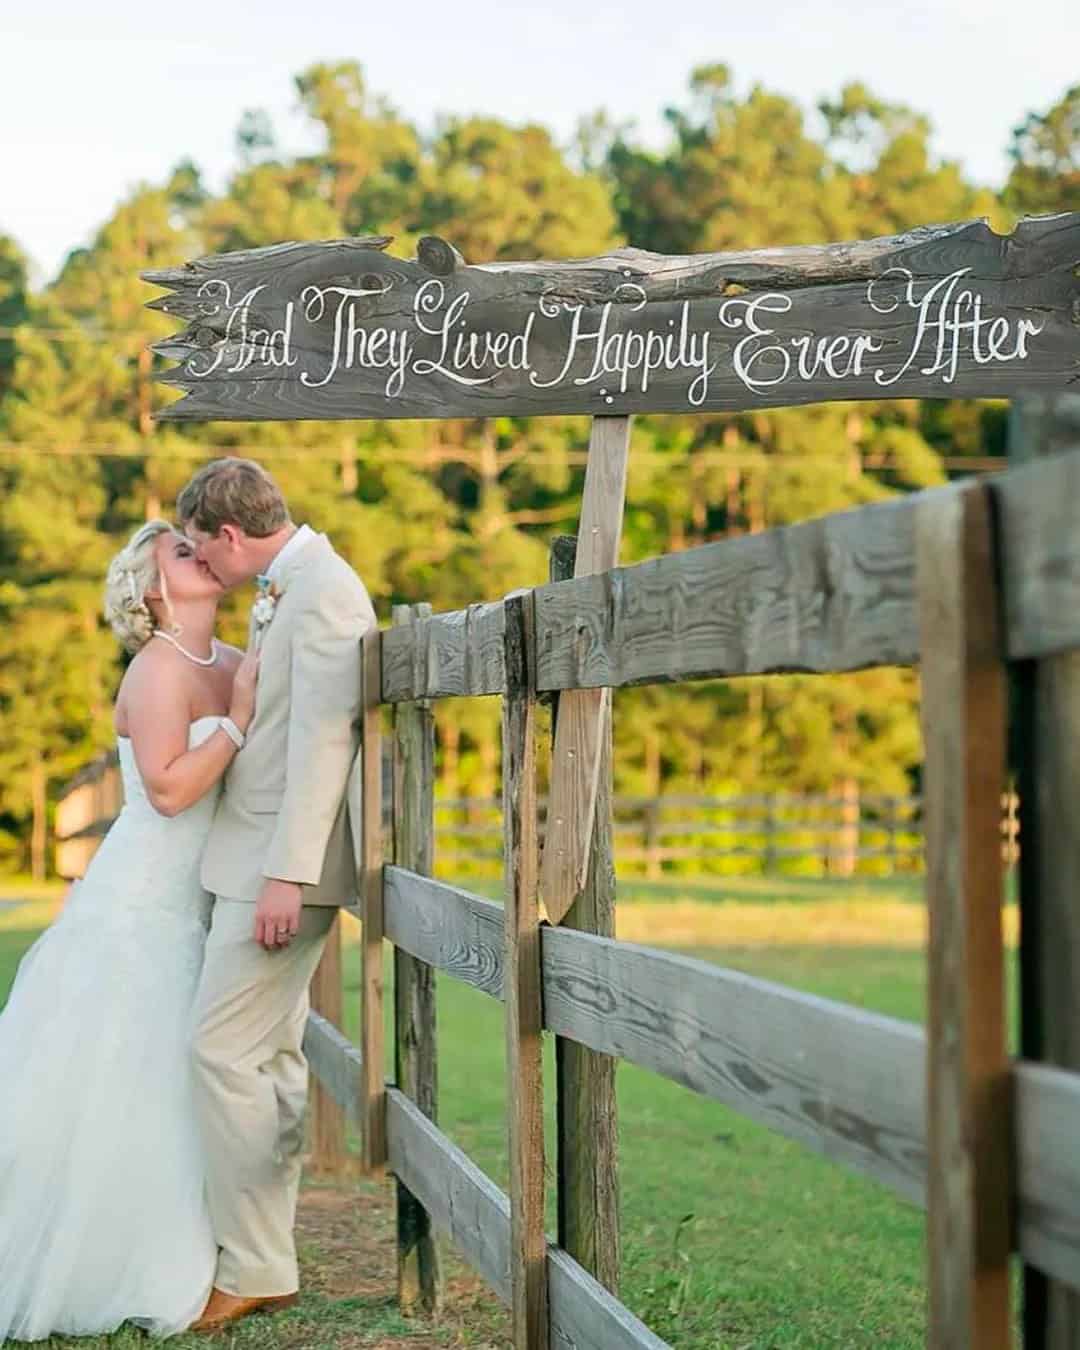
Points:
(198, 660)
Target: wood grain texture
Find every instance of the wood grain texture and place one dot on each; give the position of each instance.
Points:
(328, 1151)
(451, 654)
(1047, 1159)
(586, 1316)
(475, 1214)
(1037, 508)
(586, 1107)
(1047, 717)
(1048, 1170)
(371, 901)
(833, 594)
(756, 1047)
(969, 1124)
(337, 1065)
(584, 714)
(420, 1278)
(344, 329)
(829, 595)
(846, 1083)
(463, 1203)
(446, 927)
(521, 983)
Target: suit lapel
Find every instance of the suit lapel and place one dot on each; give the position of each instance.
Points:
(316, 547)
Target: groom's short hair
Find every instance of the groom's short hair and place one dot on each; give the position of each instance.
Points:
(233, 492)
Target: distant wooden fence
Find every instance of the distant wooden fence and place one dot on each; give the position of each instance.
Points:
(975, 583)
(686, 834)
(675, 834)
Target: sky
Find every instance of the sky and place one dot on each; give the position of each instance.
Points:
(95, 99)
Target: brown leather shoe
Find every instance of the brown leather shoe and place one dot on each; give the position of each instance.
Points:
(223, 1309)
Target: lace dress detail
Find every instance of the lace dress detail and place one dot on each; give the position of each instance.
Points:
(102, 1207)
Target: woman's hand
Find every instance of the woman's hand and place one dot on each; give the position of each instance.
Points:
(242, 705)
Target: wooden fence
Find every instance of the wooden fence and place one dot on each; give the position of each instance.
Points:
(688, 835)
(678, 835)
(969, 582)
(979, 585)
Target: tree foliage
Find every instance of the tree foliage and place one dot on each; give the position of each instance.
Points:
(460, 511)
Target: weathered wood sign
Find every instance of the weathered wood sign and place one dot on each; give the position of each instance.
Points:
(344, 329)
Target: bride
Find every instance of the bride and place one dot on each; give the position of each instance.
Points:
(102, 1211)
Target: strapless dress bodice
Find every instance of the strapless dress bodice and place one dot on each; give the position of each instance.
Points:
(149, 862)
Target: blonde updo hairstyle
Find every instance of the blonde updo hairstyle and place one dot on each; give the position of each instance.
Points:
(132, 573)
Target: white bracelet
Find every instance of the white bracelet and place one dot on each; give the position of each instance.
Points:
(233, 732)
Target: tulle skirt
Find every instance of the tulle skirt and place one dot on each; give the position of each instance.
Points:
(103, 1216)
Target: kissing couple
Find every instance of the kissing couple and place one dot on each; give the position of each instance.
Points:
(150, 1050)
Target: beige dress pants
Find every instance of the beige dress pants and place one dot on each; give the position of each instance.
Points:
(251, 1091)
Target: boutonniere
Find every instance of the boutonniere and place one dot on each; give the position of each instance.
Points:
(262, 611)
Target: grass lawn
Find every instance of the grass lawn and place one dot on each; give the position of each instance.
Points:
(732, 1237)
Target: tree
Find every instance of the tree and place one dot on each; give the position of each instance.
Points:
(884, 166)
(501, 192)
(737, 173)
(1045, 152)
(371, 154)
(14, 307)
(453, 512)
(56, 662)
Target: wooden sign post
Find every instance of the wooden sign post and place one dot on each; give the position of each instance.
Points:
(583, 713)
(346, 330)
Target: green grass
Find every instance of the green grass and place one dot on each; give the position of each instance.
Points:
(320, 1324)
(732, 1237)
(757, 889)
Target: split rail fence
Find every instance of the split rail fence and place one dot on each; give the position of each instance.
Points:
(677, 835)
(689, 836)
(978, 584)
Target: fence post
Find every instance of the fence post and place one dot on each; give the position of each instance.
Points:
(586, 1108)
(771, 826)
(1044, 752)
(651, 831)
(328, 1152)
(576, 757)
(850, 817)
(420, 1279)
(522, 982)
(969, 1126)
(373, 1073)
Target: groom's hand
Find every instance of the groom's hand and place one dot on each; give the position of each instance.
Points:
(277, 913)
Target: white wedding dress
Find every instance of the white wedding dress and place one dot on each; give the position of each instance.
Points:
(102, 1207)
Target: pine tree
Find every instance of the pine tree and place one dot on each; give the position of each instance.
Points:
(1045, 152)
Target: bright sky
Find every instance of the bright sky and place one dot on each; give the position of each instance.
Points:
(95, 98)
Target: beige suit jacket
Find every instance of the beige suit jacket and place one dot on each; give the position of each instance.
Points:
(291, 802)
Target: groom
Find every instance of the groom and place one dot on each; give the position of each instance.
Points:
(278, 862)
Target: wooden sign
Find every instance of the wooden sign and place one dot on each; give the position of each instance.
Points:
(346, 330)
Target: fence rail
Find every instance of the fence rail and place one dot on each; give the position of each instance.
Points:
(926, 1114)
(827, 596)
(944, 1117)
(874, 833)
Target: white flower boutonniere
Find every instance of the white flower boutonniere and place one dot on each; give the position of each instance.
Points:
(262, 611)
